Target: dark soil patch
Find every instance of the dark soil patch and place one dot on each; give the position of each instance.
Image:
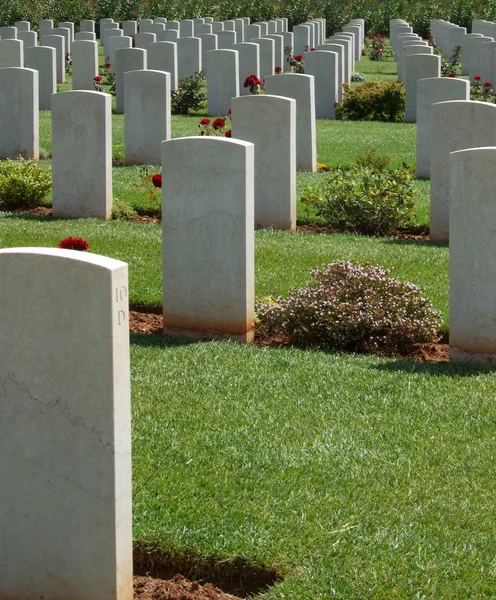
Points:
(414, 234)
(177, 588)
(37, 211)
(197, 577)
(148, 323)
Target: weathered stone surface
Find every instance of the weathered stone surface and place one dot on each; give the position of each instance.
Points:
(65, 507)
(269, 122)
(147, 120)
(19, 113)
(472, 272)
(460, 125)
(82, 154)
(209, 291)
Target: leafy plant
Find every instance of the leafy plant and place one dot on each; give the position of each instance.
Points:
(364, 200)
(122, 210)
(373, 101)
(190, 95)
(23, 183)
(370, 159)
(353, 308)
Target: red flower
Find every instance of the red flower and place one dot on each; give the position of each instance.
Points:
(298, 57)
(252, 80)
(488, 84)
(219, 123)
(157, 180)
(477, 78)
(278, 70)
(97, 78)
(228, 133)
(451, 74)
(71, 243)
(108, 65)
(229, 111)
(312, 49)
(205, 122)
(202, 133)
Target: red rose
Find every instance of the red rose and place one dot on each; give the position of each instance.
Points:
(298, 57)
(312, 49)
(97, 78)
(229, 111)
(219, 123)
(157, 180)
(108, 65)
(452, 75)
(278, 70)
(488, 84)
(205, 122)
(477, 78)
(71, 243)
(228, 133)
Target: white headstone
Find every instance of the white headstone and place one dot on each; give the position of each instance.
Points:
(472, 268)
(459, 125)
(82, 154)
(57, 42)
(162, 56)
(84, 65)
(42, 59)
(267, 60)
(223, 80)
(143, 40)
(127, 59)
(188, 56)
(28, 38)
(430, 91)
(19, 113)
(324, 67)
(269, 122)
(147, 120)
(302, 89)
(418, 66)
(249, 63)
(209, 292)
(65, 426)
(11, 53)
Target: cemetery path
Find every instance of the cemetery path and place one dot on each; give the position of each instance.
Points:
(177, 588)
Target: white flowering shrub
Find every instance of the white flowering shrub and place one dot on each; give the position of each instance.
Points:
(353, 308)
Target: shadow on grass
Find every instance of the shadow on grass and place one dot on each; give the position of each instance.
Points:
(233, 575)
(435, 369)
(159, 340)
(416, 243)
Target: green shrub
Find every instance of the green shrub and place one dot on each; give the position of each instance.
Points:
(23, 183)
(190, 95)
(373, 100)
(352, 308)
(364, 200)
(122, 211)
(370, 159)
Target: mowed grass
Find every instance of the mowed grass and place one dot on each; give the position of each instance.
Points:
(357, 477)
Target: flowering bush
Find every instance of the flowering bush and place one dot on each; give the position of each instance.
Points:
(352, 308)
(219, 126)
(254, 83)
(72, 243)
(98, 83)
(23, 183)
(364, 200)
(373, 101)
(376, 45)
(151, 184)
(482, 93)
(190, 95)
(295, 61)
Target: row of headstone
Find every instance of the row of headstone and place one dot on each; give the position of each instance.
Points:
(415, 60)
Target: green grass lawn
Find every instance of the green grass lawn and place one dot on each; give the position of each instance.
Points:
(357, 477)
